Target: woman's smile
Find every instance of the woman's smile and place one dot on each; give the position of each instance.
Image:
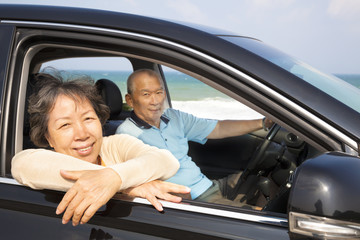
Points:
(85, 150)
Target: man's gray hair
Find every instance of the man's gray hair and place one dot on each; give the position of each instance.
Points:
(135, 74)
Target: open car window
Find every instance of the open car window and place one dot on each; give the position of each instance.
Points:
(193, 87)
(187, 93)
(217, 159)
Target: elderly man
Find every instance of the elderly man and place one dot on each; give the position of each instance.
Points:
(172, 129)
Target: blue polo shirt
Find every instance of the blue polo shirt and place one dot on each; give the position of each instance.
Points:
(176, 129)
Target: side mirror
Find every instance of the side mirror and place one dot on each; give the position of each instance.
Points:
(324, 200)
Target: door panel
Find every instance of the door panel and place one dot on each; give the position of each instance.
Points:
(27, 213)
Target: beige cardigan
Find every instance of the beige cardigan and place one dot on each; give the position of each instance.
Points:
(134, 161)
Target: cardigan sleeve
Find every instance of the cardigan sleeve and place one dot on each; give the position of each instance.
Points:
(40, 168)
(135, 162)
(146, 162)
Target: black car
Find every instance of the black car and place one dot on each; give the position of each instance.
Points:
(308, 164)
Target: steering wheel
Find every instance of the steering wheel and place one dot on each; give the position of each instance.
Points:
(257, 159)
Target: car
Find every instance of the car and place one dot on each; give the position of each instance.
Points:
(307, 164)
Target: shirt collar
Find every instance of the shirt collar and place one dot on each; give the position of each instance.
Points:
(142, 124)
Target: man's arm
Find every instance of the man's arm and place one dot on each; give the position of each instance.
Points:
(231, 128)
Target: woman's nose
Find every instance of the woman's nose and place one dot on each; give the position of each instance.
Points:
(81, 132)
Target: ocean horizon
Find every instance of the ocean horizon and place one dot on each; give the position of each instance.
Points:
(192, 96)
(184, 87)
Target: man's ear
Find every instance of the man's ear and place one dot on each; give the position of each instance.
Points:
(128, 100)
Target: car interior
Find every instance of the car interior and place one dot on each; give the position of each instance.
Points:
(270, 156)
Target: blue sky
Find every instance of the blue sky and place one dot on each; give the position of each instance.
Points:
(323, 33)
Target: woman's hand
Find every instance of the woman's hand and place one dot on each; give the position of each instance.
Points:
(92, 189)
(158, 189)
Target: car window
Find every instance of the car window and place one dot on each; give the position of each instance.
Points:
(187, 93)
(330, 84)
(190, 95)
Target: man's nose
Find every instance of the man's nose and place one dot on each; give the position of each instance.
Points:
(154, 99)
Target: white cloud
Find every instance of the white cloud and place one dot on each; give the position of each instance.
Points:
(267, 11)
(346, 9)
(189, 11)
(271, 3)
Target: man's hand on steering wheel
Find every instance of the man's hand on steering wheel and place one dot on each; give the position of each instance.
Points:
(267, 123)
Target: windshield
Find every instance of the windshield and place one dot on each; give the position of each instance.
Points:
(335, 87)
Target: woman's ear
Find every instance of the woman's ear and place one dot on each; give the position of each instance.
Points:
(48, 140)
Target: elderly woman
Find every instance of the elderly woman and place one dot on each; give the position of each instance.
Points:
(68, 117)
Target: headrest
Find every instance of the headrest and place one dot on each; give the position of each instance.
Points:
(111, 95)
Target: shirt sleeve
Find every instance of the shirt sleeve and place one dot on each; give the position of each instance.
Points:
(136, 162)
(196, 129)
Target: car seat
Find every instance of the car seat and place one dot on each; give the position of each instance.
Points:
(112, 97)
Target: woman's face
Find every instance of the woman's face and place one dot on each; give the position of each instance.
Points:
(75, 129)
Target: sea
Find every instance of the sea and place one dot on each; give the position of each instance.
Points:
(193, 96)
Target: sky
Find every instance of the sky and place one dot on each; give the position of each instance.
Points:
(322, 33)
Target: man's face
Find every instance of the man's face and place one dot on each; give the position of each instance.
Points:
(147, 99)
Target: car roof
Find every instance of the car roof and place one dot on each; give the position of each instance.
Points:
(205, 39)
(96, 18)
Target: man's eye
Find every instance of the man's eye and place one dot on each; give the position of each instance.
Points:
(160, 92)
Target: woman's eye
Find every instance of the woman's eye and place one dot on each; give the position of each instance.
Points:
(64, 125)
